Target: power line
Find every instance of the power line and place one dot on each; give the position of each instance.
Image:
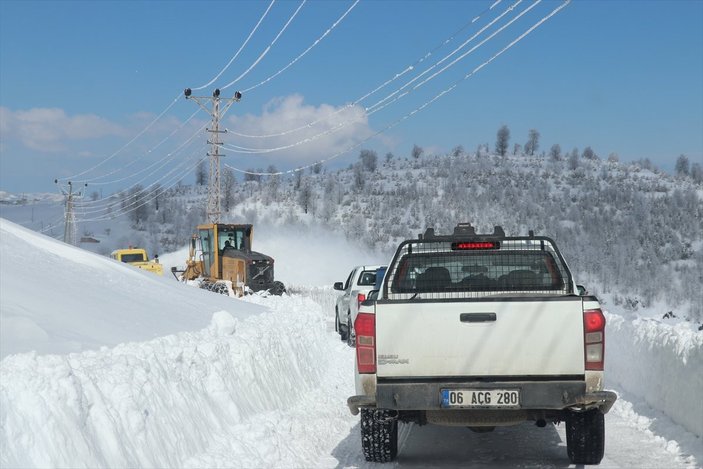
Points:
(446, 57)
(142, 132)
(94, 181)
(266, 50)
(96, 205)
(239, 51)
(161, 163)
(105, 203)
(378, 107)
(407, 69)
(317, 41)
(418, 109)
(139, 197)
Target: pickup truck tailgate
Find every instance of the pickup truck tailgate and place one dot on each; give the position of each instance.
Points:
(511, 337)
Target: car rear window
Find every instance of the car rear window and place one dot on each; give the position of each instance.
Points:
(367, 278)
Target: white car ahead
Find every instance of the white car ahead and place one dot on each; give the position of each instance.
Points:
(360, 282)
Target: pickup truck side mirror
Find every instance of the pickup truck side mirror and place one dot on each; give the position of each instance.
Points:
(339, 286)
(582, 290)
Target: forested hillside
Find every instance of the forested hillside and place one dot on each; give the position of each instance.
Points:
(624, 229)
(630, 231)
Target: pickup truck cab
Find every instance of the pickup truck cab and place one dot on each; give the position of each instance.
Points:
(360, 282)
(138, 258)
(480, 331)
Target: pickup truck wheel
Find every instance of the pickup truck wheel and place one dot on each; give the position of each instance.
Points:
(379, 435)
(585, 436)
(342, 329)
(351, 337)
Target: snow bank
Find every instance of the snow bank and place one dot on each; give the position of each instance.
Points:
(158, 403)
(660, 363)
(57, 298)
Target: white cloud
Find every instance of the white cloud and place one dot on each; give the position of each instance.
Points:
(324, 130)
(50, 129)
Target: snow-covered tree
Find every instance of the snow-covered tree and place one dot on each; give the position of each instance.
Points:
(228, 184)
(417, 152)
(305, 195)
(137, 205)
(697, 173)
(502, 140)
(369, 160)
(682, 166)
(201, 173)
(358, 177)
(589, 154)
(532, 144)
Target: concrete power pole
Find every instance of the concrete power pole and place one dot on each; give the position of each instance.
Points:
(214, 194)
(69, 230)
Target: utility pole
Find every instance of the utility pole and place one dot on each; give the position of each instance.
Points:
(214, 195)
(69, 226)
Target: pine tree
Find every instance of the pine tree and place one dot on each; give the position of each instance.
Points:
(201, 174)
(532, 144)
(682, 167)
(502, 139)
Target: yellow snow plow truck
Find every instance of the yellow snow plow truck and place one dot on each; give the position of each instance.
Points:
(138, 258)
(221, 260)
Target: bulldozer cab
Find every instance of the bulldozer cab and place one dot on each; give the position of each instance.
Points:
(217, 239)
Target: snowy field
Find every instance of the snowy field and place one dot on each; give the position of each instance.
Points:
(107, 366)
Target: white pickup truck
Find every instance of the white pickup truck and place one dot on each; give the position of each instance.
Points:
(360, 282)
(480, 331)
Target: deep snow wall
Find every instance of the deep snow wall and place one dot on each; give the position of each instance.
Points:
(157, 403)
(661, 363)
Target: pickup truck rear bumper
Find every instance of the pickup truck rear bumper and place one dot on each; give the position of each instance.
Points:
(534, 395)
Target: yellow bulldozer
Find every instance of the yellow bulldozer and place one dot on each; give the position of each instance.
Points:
(221, 260)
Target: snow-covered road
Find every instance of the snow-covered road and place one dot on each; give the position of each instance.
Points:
(173, 376)
(320, 432)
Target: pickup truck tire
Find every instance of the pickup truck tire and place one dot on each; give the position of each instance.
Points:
(379, 435)
(341, 328)
(351, 337)
(585, 436)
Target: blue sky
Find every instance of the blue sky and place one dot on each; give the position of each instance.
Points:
(80, 80)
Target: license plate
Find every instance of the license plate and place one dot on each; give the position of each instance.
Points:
(485, 398)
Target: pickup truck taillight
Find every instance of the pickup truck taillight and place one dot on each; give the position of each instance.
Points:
(594, 339)
(360, 298)
(365, 328)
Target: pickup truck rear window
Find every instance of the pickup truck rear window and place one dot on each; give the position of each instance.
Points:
(478, 271)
